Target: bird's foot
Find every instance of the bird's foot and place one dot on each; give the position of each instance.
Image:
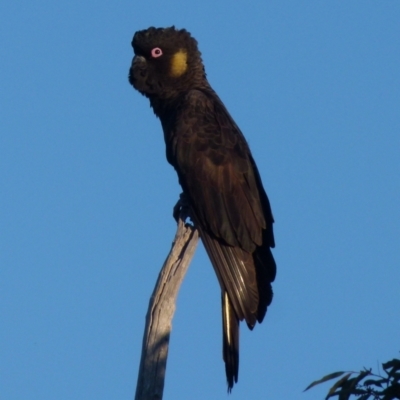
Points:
(181, 208)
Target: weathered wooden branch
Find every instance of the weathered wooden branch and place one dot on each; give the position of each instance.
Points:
(153, 362)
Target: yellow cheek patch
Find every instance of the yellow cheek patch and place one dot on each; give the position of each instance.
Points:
(179, 63)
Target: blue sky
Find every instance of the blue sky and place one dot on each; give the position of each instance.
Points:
(87, 195)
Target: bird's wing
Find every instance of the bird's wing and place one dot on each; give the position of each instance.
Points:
(217, 173)
(216, 170)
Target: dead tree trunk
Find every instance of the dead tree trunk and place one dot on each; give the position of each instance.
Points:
(153, 362)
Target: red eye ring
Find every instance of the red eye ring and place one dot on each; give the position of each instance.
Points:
(156, 52)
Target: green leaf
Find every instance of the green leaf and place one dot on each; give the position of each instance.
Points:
(351, 387)
(360, 377)
(324, 379)
(395, 376)
(339, 383)
(370, 382)
(365, 397)
(347, 389)
(391, 392)
(395, 364)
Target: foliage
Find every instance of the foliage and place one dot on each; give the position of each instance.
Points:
(365, 385)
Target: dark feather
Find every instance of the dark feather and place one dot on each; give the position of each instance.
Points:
(230, 341)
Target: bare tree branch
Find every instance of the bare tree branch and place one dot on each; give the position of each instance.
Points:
(153, 362)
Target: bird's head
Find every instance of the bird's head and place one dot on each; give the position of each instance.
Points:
(167, 63)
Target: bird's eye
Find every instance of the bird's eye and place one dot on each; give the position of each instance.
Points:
(156, 52)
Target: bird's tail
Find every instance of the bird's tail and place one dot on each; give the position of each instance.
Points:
(230, 340)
